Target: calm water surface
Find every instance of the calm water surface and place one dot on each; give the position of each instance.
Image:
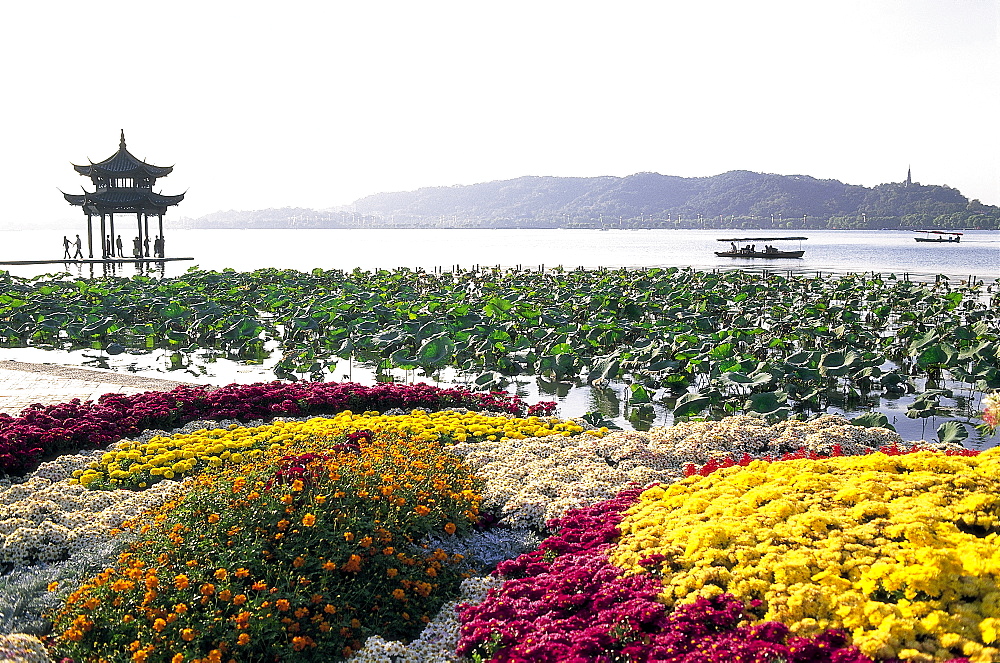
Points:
(243, 250)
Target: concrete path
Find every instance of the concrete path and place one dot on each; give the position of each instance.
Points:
(23, 384)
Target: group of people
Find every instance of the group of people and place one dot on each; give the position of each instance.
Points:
(752, 248)
(115, 248)
(67, 244)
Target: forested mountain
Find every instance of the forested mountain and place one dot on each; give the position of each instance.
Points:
(737, 199)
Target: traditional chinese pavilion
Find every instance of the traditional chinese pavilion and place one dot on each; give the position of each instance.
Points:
(123, 184)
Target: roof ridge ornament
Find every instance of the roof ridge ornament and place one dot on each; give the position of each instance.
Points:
(121, 143)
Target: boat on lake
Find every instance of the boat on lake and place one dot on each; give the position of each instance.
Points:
(939, 236)
(739, 249)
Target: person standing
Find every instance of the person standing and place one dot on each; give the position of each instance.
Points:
(146, 243)
(65, 246)
(118, 243)
(79, 248)
(109, 247)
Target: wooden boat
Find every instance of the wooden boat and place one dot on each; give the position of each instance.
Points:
(940, 236)
(740, 250)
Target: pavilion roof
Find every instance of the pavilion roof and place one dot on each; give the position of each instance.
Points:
(123, 164)
(125, 199)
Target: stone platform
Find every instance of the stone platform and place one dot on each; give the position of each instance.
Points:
(23, 384)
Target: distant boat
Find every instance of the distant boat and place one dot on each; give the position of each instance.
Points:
(753, 251)
(940, 236)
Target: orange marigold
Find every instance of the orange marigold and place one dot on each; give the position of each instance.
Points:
(309, 520)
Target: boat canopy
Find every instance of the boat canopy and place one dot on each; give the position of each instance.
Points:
(761, 239)
(938, 232)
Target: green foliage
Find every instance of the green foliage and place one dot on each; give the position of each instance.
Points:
(666, 332)
(872, 420)
(952, 432)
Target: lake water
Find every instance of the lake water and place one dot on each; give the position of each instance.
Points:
(826, 251)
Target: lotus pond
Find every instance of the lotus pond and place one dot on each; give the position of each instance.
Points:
(450, 533)
(634, 347)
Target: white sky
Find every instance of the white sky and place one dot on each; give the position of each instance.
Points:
(316, 104)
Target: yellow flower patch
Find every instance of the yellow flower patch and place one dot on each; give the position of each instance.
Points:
(139, 465)
(900, 551)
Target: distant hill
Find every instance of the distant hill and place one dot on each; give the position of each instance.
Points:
(737, 199)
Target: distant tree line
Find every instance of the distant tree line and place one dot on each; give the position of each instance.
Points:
(737, 199)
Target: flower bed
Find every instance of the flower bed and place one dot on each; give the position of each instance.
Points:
(306, 553)
(900, 551)
(523, 480)
(43, 430)
(532, 481)
(566, 602)
(136, 465)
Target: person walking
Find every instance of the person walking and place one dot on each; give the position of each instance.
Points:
(79, 248)
(65, 246)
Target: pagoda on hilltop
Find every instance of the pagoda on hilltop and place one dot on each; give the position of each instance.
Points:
(123, 184)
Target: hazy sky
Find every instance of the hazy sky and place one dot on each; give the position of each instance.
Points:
(316, 104)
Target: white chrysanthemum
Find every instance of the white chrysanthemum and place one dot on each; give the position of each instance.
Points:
(19, 648)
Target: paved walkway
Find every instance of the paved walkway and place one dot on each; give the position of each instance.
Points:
(23, 384)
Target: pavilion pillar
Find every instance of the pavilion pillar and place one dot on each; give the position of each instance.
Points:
(145, 221)
(113, 236)
(138, 220)
(104, 241)
(90, 236)
(163, 251)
